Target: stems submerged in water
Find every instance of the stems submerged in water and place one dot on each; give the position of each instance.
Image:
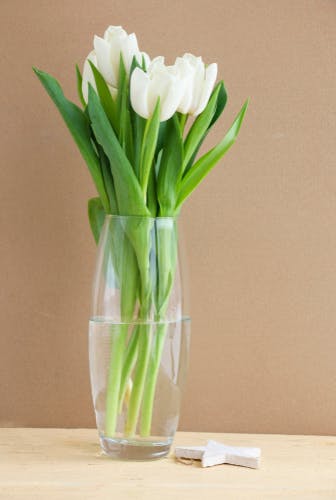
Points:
(145, 344)
(129, 362)
(118, 342)
(145, 284)
(152, 375)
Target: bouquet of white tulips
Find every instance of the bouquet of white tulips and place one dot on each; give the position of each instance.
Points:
(142, 153)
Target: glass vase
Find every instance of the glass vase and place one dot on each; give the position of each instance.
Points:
(138, 336)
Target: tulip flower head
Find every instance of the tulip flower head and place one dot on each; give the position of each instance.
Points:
(140, 167)
(185, 87)
(200, 83)
(89, 78)
(106, 57)
(159, 81)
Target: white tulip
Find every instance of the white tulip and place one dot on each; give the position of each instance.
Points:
(200, 81)
(88, 77)
(159, 81)
(116, 42)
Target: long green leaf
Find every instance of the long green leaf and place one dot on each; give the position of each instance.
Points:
(128, 192)
(161, 137)
(79, 86)
(96, 215)
(220, 105)
(203, 166)
(124, 113)
(108, 181)
(139, 125)
(200, 126)
(170, 170)
(136, 128)
(148, 148)
(152, 194)
(105, 96)
(129, 279)
(79, 127)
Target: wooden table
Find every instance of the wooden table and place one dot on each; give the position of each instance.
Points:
(67, 463)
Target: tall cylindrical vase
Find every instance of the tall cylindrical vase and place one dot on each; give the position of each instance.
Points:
(138, 336)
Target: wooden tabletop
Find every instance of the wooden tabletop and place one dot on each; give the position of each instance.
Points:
(67, 463)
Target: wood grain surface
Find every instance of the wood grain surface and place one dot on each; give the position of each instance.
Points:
(67, 463)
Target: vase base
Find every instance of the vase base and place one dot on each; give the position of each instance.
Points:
(127, 449)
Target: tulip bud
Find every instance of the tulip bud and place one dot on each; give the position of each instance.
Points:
(116, 42)
(200, 81)
(159, 81)
(88, 77)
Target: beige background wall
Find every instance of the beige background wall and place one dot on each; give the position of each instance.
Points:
(261, 230)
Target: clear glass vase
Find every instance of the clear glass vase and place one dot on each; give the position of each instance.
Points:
(138, 336)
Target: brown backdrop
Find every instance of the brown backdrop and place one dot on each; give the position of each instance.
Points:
(261, 231)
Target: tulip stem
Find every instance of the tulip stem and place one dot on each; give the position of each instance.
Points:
(118, 341)
(151, 380)
(145, 343)
(183, 121)
(129, 362)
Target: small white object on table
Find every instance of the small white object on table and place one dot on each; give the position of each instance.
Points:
(215, 453)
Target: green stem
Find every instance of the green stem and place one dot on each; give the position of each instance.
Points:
(118, 342)
(124, 260)
(129, 362)
(151, 380)
(166, 260)
(144, 343)
(183, 121)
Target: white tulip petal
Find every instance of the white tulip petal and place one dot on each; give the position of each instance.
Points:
(209, 82)
(195, 61)
(192, 68)
(139, 92)
(87, 76)
(129, 49)
(104, 60)
(159, 86)
(144, 56)
(116, 43)
(114, 32)
(170, 104)
(157, 64)
(132, 43)
(186, 74)
(199, 76)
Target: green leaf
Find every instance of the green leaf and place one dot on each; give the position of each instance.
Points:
(105, 96)
(170, 170)
(96, 214)
(134, 64)
(79, 86)
(143, 64)
(139, 125)
(203, 166)
(129, 279)
(151, 193)
(130, 200)
(122, 101)
(200, 126)
(108, 181)
(221, 102)
(161, 137)
(79, 126)
(124, 114)
(166, 254)
(148, 147)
